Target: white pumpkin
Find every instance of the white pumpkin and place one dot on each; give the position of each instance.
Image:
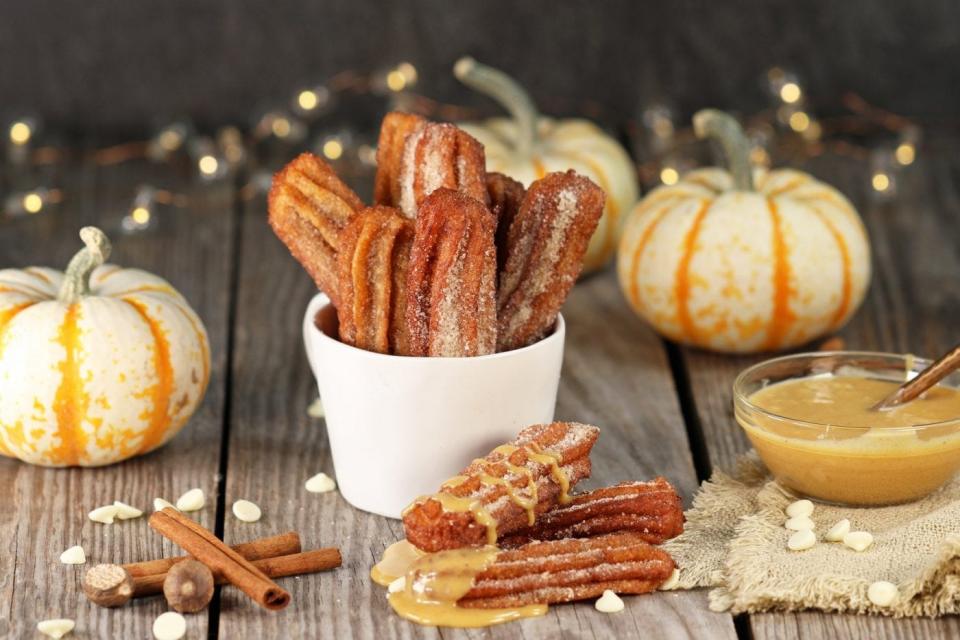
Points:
(96, 365)
(741, 261)
(526, 147)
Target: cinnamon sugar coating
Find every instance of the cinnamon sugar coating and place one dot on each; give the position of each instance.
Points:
(440, 156)
(544, 252)
(308, 207)
(653, 510)
(394, 131)
(372, 268)
(567, 570)
(451, 303)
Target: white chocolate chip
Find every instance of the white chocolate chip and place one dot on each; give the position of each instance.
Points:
(104, 515)
(883, 593)
(799, 523)
(169, 626)
(56, 628)
(802, 540)
(397, 585)
(858, 540)
(315, 410)
(191, 501)
(671, 582)
(125, 511)
(159, 504)
(609, 602)
(799, 508)
(73, 555)
(246, 511)
(320, 483)
(837, 531)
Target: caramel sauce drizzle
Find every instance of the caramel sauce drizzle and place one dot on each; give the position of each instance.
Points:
(552, 460)
(455, 504)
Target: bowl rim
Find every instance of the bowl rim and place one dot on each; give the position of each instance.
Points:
(320, 301)
(739, 398)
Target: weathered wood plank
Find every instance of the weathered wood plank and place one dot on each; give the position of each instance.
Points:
(912, 307)
(45, 510)
(617, 379)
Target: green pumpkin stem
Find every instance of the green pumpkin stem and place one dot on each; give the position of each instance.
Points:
(76, 282)
(507, 92)
(724, 128)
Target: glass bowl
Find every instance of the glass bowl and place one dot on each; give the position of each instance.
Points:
(848, 465)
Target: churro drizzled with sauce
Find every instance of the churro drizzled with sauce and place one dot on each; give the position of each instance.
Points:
(450, 571)
(504, 491)
(481, 586)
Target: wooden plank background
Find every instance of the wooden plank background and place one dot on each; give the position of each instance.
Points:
(663, 409)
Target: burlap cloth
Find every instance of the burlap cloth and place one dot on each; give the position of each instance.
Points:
(735, 542)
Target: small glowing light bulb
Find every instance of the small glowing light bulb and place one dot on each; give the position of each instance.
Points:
(799, 121)
(140, 215)
(32, 203)
(880, 182)
(396, 80)
(308, 100)
(333, 149)
(280, 127)
(906, 153)
(669, 175)
(208, 164)
(790, 92)
(20, 133)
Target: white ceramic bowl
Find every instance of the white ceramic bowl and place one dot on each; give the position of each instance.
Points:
(399, 426)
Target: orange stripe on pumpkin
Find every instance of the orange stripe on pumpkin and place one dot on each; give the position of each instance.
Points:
(787, 188)
(682, 284)
(782, 315)
(24, 290)
(538, 167)
(160, 391)
(147, 288)
(204, 347)
(847, 287)
(103, 276)
(638, 253)
(701, 181)
(36, 273)
(71, 400)
(6, 316)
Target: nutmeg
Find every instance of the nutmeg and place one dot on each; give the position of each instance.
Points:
(108, 585)
(188, 586)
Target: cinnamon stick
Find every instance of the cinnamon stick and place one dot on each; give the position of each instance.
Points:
(203, 545)
(295, 564)
(271, 547)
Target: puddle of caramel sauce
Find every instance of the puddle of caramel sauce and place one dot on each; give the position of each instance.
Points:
(853, 455)
(434, 582)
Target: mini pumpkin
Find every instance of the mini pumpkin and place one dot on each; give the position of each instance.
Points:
(97, 364)
(740, 262)
(526, 147)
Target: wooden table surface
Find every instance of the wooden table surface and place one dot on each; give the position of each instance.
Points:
(663, 409)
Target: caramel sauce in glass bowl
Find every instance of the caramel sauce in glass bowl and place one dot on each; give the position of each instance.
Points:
(809, 418)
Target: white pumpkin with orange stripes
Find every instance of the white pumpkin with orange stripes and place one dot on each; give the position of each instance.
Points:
(744, 261)
(526, 147)
(97, 364)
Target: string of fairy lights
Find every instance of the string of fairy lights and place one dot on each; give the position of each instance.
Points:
(790, 131)
(665, 147)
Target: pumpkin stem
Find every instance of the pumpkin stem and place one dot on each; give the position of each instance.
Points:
(508, 92)
(724, 128)
(76, 282)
